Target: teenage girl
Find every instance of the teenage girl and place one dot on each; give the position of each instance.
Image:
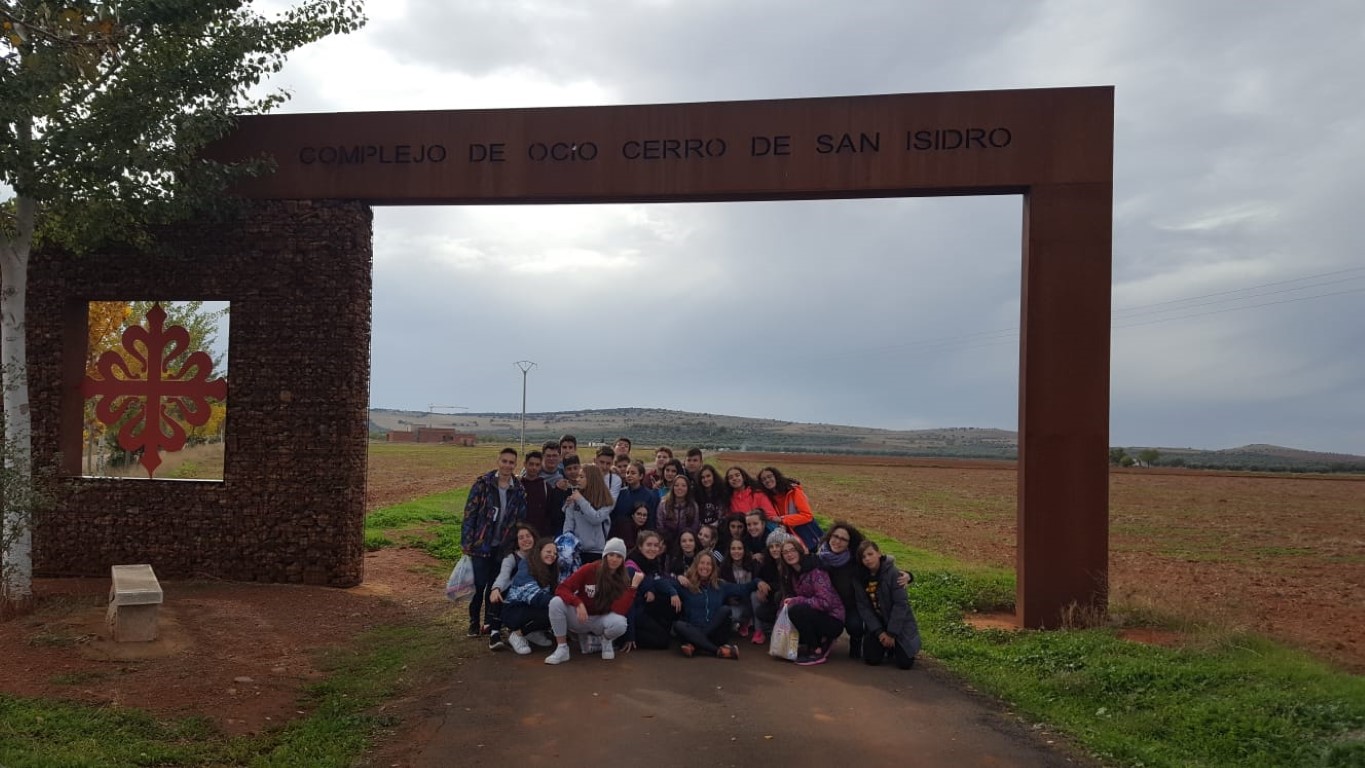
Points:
(745, 494)
(713, 498)
(812, 604)
(705, 623)
(651, 618)
(677, 511)
(526, 605)
(587, 514)
(738, 568)
(594, 600)
(514, 564)
(680, 557)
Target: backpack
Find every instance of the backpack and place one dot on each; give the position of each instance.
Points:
(809, 533)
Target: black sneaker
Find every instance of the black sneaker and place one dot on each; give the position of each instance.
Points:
(473, 629)
(495, 642)
(817, 655)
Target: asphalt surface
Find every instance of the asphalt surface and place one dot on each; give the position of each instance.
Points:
(659, 709)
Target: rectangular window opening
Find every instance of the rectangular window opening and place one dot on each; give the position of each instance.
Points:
(172, 355)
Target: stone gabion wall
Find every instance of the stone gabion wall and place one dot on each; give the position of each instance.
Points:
(291, 505)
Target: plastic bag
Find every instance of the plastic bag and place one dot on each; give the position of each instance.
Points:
(461, 581)
(784, 637)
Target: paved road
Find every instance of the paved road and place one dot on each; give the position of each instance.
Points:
(658, 709)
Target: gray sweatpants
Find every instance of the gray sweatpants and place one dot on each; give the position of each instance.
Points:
(564, 618)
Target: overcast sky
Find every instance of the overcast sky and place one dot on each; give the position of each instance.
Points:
(1239, 240)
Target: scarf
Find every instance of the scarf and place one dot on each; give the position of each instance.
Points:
(831, 560)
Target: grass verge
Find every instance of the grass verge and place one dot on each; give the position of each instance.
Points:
(372, 668)
(431, 523)
(1225, 699)
(376, 666)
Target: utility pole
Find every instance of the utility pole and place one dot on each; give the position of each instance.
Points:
(525, 367)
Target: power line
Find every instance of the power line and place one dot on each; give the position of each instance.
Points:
(981, 339)
(1248, 288)
(1234, 309)
(1153, 308)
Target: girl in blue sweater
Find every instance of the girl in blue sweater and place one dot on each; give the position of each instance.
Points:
(701, 596)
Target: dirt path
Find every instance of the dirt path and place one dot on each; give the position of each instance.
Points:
(659, 708)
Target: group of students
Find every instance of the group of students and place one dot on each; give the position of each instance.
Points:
(628, 557)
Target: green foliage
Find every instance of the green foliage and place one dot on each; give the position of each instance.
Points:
(47, 734)
(431, 523)
(1228, 700)
(104, 106)
(1116, 456)
(376, 666)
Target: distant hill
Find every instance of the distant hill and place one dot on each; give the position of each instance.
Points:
(1273, 458)
(649, 427)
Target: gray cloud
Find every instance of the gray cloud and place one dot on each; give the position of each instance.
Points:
(1237, 164)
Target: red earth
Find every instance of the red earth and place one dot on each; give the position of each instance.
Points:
(238, 653)
(1283, 555)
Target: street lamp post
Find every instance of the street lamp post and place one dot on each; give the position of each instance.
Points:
(525, 367)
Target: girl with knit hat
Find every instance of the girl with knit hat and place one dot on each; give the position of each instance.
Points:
(594, 600)
(766, 606)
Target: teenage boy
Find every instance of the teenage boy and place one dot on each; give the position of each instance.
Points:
(605, 461)
(693, 463)
(653, 477)
(568, 446)
(558, 493)
(622, 445)
(537, 494)
(550, 467)
(496, 501)
(620, 463)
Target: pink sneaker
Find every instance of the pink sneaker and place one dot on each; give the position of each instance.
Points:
(759, 638)
(744, 629)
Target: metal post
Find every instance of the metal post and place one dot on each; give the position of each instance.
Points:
(525, 366)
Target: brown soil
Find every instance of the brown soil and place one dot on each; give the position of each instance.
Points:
(1279, 554)
(240, 654)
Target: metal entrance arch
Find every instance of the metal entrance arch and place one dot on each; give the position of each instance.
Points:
(1052, 146)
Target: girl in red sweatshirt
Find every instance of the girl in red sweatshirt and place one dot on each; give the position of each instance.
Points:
(594, 600)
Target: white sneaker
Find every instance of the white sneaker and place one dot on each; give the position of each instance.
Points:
(518, 643)
(608, 650)
(541, 638)
(560, 655)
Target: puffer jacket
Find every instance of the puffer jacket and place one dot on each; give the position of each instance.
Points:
(812, 587)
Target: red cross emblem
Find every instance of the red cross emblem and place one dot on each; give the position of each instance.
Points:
(154, 351)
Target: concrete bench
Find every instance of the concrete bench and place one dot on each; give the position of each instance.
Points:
(134, 599)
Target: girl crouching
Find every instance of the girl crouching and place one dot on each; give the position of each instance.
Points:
(594, 600)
